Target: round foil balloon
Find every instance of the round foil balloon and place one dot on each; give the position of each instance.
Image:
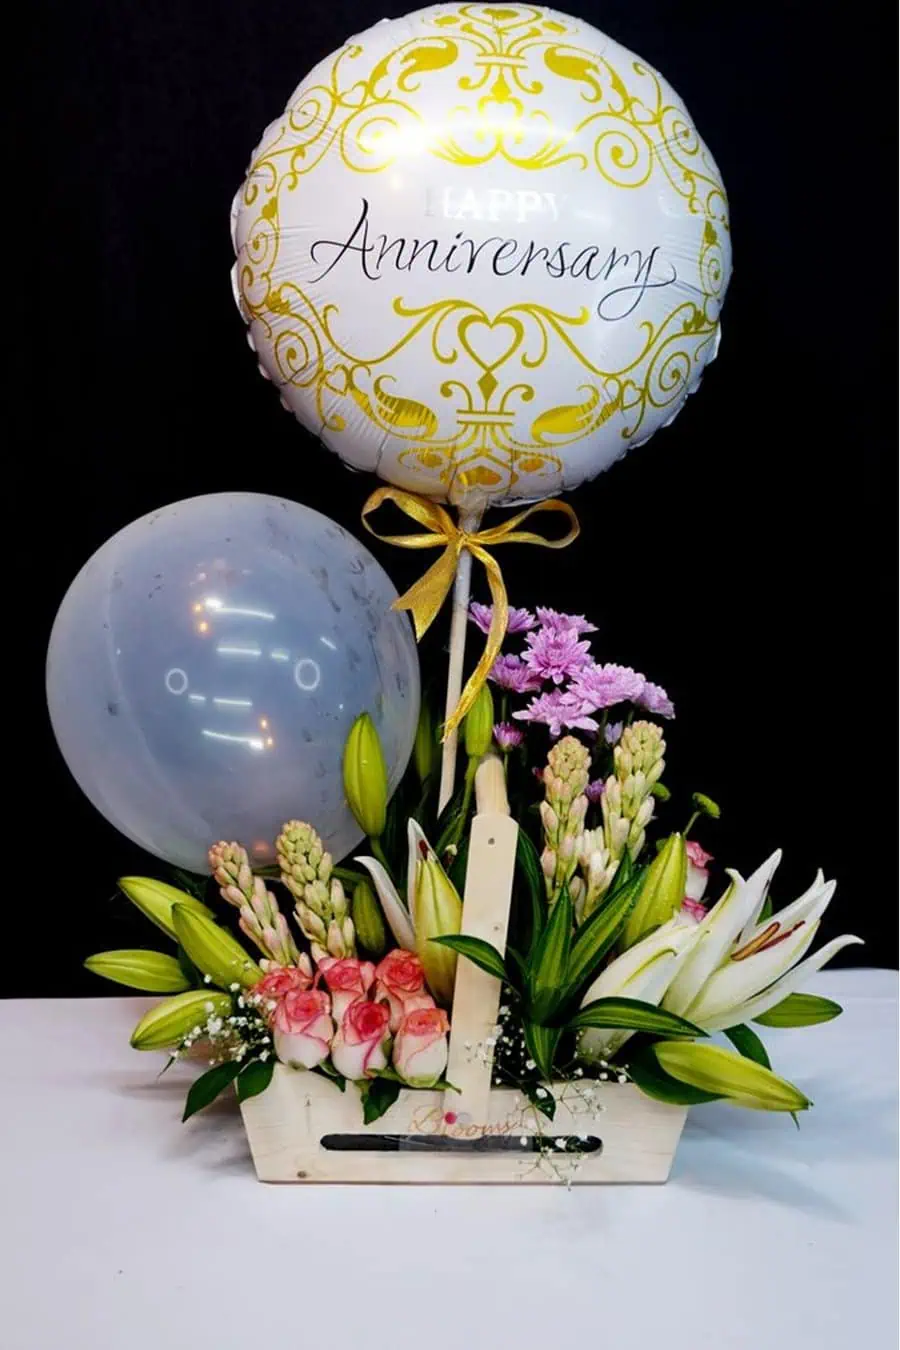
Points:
(206, 665)
(482, 252)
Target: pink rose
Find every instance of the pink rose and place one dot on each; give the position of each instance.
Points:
(420, 1049)
(281, 980)
(348, 980)
(303, 1028)
(697, 872)
(401, 980)
(360, 1046)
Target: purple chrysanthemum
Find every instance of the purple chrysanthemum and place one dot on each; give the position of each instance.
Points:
(556, 654)
(507, 736)
(655, 700)
(557, 710)
(594, 791)
(564, 623)
(520, 620)
(613, 733)
(510, 672)
(602, 686)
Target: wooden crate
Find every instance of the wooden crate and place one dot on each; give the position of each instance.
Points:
(304, 1129)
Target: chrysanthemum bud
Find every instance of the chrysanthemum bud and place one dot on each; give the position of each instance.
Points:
(365, 776)
(706, 805)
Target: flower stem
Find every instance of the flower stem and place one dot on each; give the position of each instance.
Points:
(690, 825)
(379, 853)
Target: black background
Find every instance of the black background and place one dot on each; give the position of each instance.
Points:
(741, 558)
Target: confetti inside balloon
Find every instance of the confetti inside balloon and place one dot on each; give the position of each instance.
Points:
(207, 663)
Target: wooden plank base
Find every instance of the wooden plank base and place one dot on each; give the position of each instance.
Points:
(423, 1140)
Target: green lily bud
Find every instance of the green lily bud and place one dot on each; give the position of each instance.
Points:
(661, 892)
(425, 745)
(214, 951)
(436, 912)
(155, 900)
(170, 1021)
(706, 805)
(479, 724)
(365, 776)
(152, 972)
(368, 921)
(715, 1069)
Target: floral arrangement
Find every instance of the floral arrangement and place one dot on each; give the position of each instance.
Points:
(615, 967)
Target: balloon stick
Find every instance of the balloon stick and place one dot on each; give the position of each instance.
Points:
(468, 521)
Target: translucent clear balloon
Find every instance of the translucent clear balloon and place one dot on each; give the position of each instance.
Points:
(206, 665)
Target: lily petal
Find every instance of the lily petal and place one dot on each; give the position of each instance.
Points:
(394, 909)
(644, 971)
(792, 913)
(416, 838)
(736, 982)
(738, 908)
(788, 984)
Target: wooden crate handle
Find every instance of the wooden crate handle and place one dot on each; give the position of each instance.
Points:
(486, 901)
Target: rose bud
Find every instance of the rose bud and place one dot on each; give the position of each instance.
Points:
(303, 1028)
(400, 979)
(697, 871)
(347, 980)
(281, 980)
(420, 1049)
(359, 1048)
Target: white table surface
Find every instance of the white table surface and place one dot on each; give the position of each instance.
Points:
(125, 1230)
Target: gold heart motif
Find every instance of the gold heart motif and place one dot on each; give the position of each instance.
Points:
(490, 347)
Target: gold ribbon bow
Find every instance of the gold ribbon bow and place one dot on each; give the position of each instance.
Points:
(425, 597)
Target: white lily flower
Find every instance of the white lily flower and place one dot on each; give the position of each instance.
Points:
(434, 909)
(644, 971)
(741, 967)
(400, 921)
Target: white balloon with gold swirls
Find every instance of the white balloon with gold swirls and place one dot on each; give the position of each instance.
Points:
(482, 253)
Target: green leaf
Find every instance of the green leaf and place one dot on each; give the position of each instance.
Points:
(542, 1042)
(595, 937)
(377, 1096)
(327, 1071)
(254, 1078)
(800, 1010)
(548, 962)
(517, 973)
(208, 1086)
(656, 1083)
(546, 1104)
(482, 954)
(626, 870)
(193, 882)
(633, 1014)
(750, 1046)
(714, 1069)
(529, 864)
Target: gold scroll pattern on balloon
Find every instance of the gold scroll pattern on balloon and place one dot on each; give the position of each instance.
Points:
(630, 131)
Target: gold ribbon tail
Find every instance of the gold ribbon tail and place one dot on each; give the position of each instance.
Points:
(426, 596)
